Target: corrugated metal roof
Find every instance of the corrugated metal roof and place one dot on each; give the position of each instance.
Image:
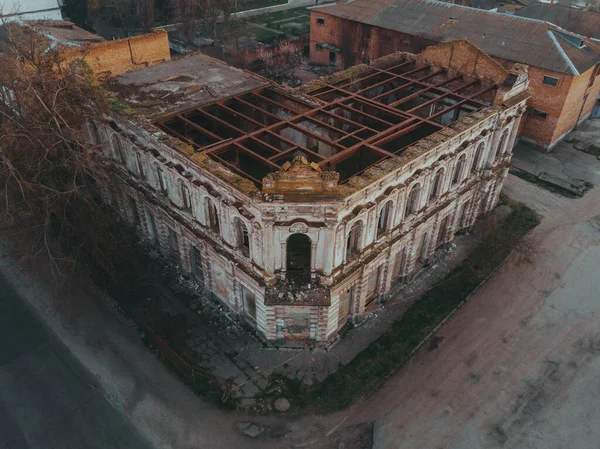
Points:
(504, 36)
(586, 23)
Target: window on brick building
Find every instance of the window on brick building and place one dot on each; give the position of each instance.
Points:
(502, 144)
(320, 21)
(242, 237)
(539, 114)
(319, 47)
(386, 37)
(135, 216)
(550, 81)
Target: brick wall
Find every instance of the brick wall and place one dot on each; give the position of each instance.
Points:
(113, 58)
(562, 102)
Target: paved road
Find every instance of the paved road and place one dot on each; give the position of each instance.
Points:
(47, 400)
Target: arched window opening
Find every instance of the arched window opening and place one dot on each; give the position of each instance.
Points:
(412, 203)
(385, 218)
(119, 149)
(436, 188)
(458, 170)
(502, 144)
(186, 197)
(353, 242)
(242, 237)
(478, 157)
(212, 216)
(298, 259)
(162, 181)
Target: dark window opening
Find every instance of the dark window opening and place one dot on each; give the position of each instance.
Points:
(412, 203)
(134, 210)
(539, 114)
(173, 243)
(320, 20)
(332, 57)
(385, 217)
(187, 199)
(478, 157)
(197, 269)
(353, 243)
(550, 81)
(436, 188)
(243, 239)
(298, 259)
(212, 216)
(458, 170)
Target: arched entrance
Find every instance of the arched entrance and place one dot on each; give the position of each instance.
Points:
(298, 259)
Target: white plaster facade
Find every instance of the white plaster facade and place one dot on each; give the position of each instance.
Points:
(238, 250)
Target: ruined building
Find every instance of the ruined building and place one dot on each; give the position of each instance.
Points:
(563, 66)
(299, 209)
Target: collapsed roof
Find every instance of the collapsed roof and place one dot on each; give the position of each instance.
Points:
(345, 123)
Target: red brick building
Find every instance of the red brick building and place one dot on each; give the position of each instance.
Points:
(563, 66)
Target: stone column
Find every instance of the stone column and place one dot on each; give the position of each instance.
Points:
(284, 260)
(313, 259)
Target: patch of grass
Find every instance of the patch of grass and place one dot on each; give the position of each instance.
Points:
(302, 15)
(366, 372)
(533, 179)
(255, 4)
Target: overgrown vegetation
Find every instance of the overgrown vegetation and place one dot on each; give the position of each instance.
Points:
(366, 373)
(48, 172)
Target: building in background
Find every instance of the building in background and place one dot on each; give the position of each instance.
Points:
(583, 22)
(31, 9)
(563, 66)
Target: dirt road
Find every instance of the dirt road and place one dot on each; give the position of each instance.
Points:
(519, 365)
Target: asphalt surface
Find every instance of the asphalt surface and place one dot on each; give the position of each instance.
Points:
(47, 399)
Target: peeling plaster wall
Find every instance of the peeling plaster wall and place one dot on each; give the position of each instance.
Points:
(228, 270)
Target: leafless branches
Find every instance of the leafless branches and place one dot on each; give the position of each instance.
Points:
(47, 171)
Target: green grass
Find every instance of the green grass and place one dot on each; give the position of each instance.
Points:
(276, 16)
(365, 373)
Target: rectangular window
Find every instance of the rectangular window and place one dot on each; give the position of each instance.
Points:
(187, 199)
(153, 227)
(538, 113)
(249, 301)
(319, 47)
(550, 81)
(134, 210)
(197, 265)
(173, 243)
(320, 21)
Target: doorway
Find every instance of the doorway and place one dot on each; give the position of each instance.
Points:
(298, 259)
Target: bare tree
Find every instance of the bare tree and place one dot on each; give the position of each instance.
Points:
(186, 13)
(48, 172)
(279, 63)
